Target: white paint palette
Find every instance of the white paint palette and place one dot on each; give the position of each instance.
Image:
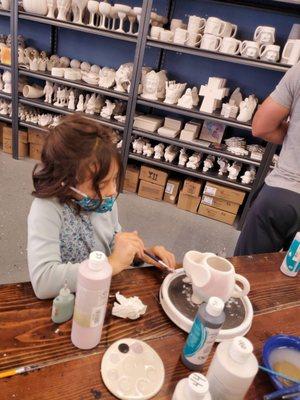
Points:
(132, 370)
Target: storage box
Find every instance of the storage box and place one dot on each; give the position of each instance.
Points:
(222, 192)
(7, 142)
(216, 214)
(35, 136)
(192, 187)
(188, 203)
(153, 175)
(151, 190)
(172, 190)
(35, 151)
(131, 179)
(221, 204)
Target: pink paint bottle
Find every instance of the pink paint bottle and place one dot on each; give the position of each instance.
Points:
(93, 284)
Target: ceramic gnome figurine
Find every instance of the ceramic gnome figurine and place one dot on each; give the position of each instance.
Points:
(208, 163)
(173, 92)
(71, 101)
(194, 161)
(247, 108)
(170, 153)
(183, 157)
(137, 145)
(159, 150)
(234, 170)
(223, 164)
(148, 150)
(48, 92)
(190, 98)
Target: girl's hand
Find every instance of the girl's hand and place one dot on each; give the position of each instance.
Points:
(162, 253)
(128, 245)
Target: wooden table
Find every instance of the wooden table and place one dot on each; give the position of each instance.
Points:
(28, 336)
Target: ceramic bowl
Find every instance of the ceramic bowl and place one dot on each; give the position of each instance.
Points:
(279, 342)
(36, 6)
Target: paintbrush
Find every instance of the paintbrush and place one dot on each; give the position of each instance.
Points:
(159, 261)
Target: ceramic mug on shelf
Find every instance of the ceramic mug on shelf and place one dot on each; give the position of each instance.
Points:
(230, 45)
(166, 36)
(155, 32)
(291, 52)
(194, 39)
(210, 42)
(213, 276)
(196, 24)
(175, 23)
(181, 36)
(215, 26)
(269, 52)
(264, 35)
(249, 49)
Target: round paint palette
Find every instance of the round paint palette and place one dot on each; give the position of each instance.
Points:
(176, 301)
(132, 370)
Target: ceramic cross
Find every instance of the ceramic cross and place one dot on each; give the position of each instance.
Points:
(213, 93)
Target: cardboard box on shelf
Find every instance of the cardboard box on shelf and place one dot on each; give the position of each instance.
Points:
(192, 187)
(7, 142)
(188, 203)
(35, 151)
(172, 190)
(221, 204)
(35, 136)
(223, 192)
(131, 180)
(216, 214)
(153, 175)
(151, 190)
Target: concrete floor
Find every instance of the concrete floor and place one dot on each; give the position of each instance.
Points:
(156, 222)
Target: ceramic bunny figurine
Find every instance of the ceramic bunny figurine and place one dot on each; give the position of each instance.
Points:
(148, 150)
(234, 170)
(183, 157)
(137, 145)
(159, 151)
(194, 161)
(208, 163)
(223, 164)
(170, 153)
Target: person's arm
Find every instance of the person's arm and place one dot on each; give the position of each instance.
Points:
(269, 122)
(47, 272)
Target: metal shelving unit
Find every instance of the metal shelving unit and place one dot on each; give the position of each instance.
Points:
(218, 56)
(5, 66)
(6, 96)
(196, 147)
(78, 27)
(32, 126)
(65, 111)
(216, 117)
(75, 84)
(3, 118)
(209, 176)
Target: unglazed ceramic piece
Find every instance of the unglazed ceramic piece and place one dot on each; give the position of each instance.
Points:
(213, 94)
(48, 92)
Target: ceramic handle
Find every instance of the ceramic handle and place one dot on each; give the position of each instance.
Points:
(246, 286)
(286, 51)
(234, 30)
(219, 44)
(199, 41)
(257, 32)
(238, 47)
(223, 27)
(243, 46)
(262, 49)
(203, 20)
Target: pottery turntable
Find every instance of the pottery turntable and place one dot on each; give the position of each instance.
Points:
(176, 300)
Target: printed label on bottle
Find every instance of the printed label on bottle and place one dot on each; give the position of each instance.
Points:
(221, 389)
(210, 190)
(90, 306)
(199, 342)
(292, 259)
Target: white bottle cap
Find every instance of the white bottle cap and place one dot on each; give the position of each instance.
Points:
(214, 306)
(198, 386)
(240, 349)
(64, 291)
(96, 259)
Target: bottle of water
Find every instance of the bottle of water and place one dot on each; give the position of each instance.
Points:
(291, 263)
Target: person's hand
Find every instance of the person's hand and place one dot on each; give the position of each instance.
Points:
(162, 253)
(128, 245)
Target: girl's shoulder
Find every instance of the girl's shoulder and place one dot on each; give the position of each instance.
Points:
(47, 207)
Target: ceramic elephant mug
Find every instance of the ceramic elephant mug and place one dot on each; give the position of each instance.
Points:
(213, 276)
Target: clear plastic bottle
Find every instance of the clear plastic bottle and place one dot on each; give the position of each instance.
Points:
(291, 262)
(93, 284)
(207, 324)
(232, 370)
(195, 387)
(63, 306)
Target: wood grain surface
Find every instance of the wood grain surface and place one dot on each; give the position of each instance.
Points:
(28, 335)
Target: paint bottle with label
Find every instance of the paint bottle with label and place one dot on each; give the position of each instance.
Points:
(93, 284)
(232, 370)
(207, 324)
(63, 306)
(291, 262)
(195, 387)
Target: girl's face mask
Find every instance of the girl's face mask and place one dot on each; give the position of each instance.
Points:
(95, 205)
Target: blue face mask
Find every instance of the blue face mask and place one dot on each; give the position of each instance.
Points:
(95, 205)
